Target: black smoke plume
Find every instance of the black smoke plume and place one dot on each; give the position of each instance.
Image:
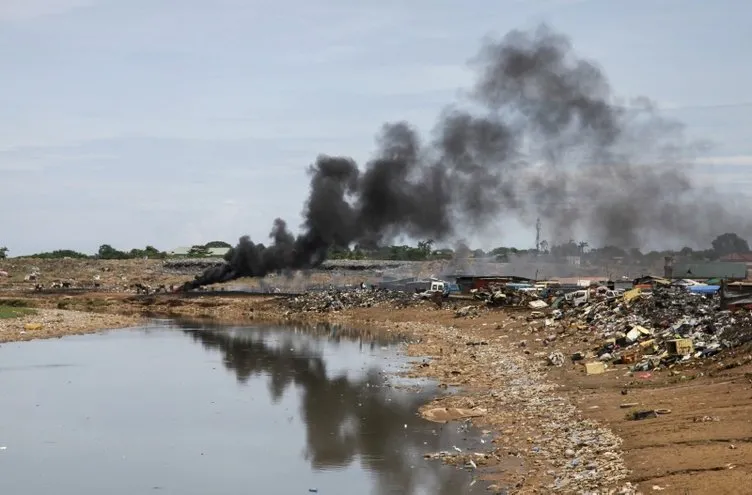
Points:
(541, 136)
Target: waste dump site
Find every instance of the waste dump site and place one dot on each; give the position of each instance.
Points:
(586, 386)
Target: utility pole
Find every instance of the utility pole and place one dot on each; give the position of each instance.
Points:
(537, 235)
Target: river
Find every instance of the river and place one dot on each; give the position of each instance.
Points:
(207, 409)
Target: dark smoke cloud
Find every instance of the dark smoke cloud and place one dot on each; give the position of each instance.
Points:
(542, 137)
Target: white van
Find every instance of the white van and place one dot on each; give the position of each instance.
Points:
(578, 297)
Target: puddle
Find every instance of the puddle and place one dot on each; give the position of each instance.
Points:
(183, 409)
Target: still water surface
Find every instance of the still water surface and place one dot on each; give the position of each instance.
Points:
(215, 410)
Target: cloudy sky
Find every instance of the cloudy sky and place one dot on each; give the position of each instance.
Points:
(175, 122)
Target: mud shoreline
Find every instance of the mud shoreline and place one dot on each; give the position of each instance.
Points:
(556, 429)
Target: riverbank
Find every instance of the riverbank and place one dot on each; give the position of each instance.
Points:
(556, 428)
(21, 323)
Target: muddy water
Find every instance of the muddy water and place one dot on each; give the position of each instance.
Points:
(185, 410)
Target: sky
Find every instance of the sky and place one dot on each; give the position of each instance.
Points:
(178, 122)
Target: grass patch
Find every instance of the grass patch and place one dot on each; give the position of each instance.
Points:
(7, 312)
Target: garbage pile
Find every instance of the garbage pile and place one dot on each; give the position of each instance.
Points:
(662, 328)
(501, 295)
(340, 299)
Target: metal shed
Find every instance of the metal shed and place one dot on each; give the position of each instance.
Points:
(714, 269)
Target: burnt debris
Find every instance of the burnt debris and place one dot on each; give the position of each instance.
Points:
(541, 136)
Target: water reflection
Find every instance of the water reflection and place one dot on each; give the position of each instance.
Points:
(347, 418)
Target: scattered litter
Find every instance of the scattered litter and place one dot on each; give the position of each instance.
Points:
(654, 330)
(537, 304)
(705, 419)
(341, 299)
(556, 359)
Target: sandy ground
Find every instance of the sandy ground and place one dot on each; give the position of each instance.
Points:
(49, 323)
(557, 430)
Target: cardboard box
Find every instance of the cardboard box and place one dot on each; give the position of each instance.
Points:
(595, 368)
(681, 347)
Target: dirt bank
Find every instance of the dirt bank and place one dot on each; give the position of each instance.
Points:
(49, 323)
(557, 429)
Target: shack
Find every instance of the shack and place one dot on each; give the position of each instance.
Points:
(736, 295)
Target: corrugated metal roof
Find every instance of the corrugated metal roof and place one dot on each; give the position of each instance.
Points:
(180, 251)
(218, 251)
(715, 269)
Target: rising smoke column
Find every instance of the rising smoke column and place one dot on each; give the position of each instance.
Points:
(544, 138)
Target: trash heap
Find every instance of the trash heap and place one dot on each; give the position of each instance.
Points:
(340, 299)
(662, 328)
(501, 295)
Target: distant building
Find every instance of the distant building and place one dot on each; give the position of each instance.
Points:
(583, 281)
(573, 260)
(180, 251)
(713, 269)
(214, 252)
(740, 258)
(218, 252)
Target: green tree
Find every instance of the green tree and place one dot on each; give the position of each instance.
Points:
(198, 251)
(571, 248)
(425, 247)
(59, 254)
(218, 244)
(338, 253)
(153, 252)
(3, 252)
(357, 254)
(502, 253)
(107, 252)
(729, 243)
(443, 254)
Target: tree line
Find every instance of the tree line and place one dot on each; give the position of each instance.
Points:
(723, 245)
(107, 252)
